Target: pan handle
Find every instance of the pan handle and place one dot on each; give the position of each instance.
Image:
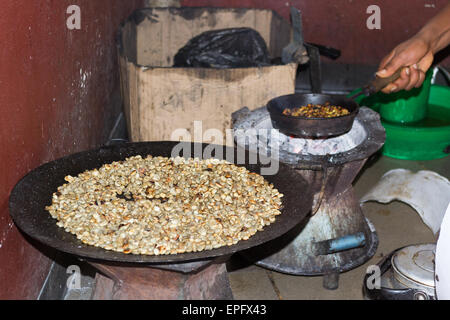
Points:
(379, 83)
(376, 85)
(328, 52)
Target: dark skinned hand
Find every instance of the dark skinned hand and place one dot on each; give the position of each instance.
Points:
(416, 56)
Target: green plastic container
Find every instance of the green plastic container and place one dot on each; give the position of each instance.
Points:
(406, 106)
(426, 139)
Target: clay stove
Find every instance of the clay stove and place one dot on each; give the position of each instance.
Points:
(330, 165)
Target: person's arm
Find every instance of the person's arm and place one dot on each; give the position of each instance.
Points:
(416, 54)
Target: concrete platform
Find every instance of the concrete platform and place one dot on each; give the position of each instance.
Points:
(396, 223)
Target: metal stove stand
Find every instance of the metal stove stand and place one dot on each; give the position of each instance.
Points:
(338, 213)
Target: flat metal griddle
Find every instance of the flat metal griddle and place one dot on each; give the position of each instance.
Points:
(34, 192)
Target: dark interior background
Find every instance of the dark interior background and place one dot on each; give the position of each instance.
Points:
(342, 23)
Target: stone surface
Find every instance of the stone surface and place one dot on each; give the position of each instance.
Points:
(396, 223)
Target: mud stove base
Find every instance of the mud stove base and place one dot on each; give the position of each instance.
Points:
(204, 280)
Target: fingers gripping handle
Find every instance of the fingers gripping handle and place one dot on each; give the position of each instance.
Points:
(379, 83)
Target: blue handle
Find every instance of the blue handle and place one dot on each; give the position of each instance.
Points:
(340, 244)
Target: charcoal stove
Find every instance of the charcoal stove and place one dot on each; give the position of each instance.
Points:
(191, 275)
(330, 166)
(206, 279)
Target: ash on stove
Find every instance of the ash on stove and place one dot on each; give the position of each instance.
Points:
(263, 135)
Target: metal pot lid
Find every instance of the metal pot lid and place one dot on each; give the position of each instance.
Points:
(414, 265)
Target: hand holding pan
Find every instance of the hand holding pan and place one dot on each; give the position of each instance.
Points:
(303, 127)
(378, 84)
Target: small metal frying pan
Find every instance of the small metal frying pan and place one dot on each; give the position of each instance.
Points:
(303, 127)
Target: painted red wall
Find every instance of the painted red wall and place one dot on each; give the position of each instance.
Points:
(55, 89)
(342, 23)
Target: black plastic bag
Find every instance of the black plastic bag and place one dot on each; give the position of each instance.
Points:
(226, 48)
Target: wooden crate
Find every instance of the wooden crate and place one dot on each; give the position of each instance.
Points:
(159, 99)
